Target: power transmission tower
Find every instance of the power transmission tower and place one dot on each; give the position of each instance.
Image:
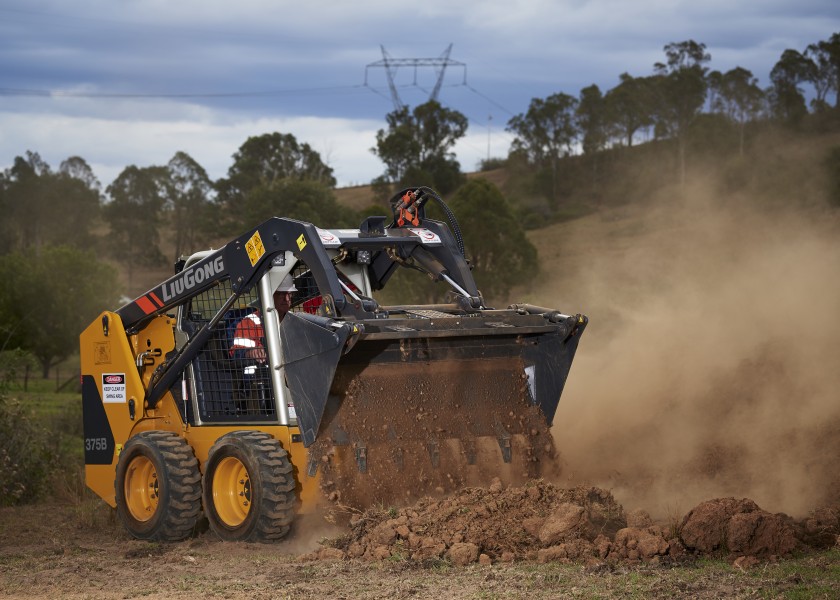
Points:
(392, 64)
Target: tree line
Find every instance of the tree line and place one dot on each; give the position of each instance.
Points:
(667, 103)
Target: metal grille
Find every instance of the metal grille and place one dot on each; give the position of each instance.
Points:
(230, 385)
(307, 298)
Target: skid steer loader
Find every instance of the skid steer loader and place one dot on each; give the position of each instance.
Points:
(354, 403)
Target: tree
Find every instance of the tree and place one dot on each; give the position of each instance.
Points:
(48, 299)
(546, 131)
(417, 146)
(494, 241)
(681, 92)
(305, 200)
(41, 207)
(77, 168)
(272, 157)
(824, 69)
(833, 48)
(736, 94)
(398, 147)
(629, 106)
(786, 99)
(189, 200)
(262, 165)
(138, 196)
(591, 119)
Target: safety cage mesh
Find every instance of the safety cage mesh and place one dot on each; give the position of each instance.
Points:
(231, 384)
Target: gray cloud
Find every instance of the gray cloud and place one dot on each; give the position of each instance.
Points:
(311, 59)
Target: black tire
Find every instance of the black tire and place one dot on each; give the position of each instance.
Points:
(158, 487)
(249, 488)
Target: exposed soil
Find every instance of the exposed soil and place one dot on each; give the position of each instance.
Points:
(542, 522)
(534, 541)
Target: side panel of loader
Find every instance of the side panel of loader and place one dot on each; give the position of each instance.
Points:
(112, 400)
(113, 390)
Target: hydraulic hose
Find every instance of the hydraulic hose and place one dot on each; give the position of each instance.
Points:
(422, 193)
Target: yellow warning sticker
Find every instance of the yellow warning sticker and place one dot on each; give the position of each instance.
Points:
(301, 242)
(254, 247)
(102, 353)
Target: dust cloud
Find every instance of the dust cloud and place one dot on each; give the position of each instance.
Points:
(710, 365)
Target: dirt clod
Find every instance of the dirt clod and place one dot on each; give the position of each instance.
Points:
(738, 526)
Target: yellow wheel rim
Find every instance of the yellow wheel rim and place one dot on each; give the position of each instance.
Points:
(231, 491)
(142, 490)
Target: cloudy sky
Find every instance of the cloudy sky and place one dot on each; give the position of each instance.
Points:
(134, 81)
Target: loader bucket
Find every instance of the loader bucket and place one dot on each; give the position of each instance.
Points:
(311, 355)
(425, 405)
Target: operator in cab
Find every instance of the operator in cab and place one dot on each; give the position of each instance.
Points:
(249, 336)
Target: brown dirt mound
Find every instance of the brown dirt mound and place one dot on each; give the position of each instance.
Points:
(541, 522)
(537, 521)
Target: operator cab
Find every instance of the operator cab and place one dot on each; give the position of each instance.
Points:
(221, 386)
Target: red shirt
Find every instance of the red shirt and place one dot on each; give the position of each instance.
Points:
(249, 333)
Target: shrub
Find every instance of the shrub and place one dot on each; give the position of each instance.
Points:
(28, 455)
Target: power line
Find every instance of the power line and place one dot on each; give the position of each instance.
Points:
(392, 64)
(490, 100)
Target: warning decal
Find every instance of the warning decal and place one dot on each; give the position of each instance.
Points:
(113, 388)
(328, 238)
(426, 236)
(254, 247)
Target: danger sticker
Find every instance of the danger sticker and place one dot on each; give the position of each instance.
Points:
(113, 388)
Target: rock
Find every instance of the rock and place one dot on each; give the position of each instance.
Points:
(821, 528)
(675, 548)
(484, 560)
(739, 526)
(641, 543)
(383, 534)
(566, 520)
(331, 554)
(508, 556)
(639, 519)
(463, 554)
(580, 548)
(704, 527)
(355, 550)
(533, 525)
(602, 546)
(554, 553)
(496, 485)
(381, 553)
(760, 534)
(429, 548)
(651, 545)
